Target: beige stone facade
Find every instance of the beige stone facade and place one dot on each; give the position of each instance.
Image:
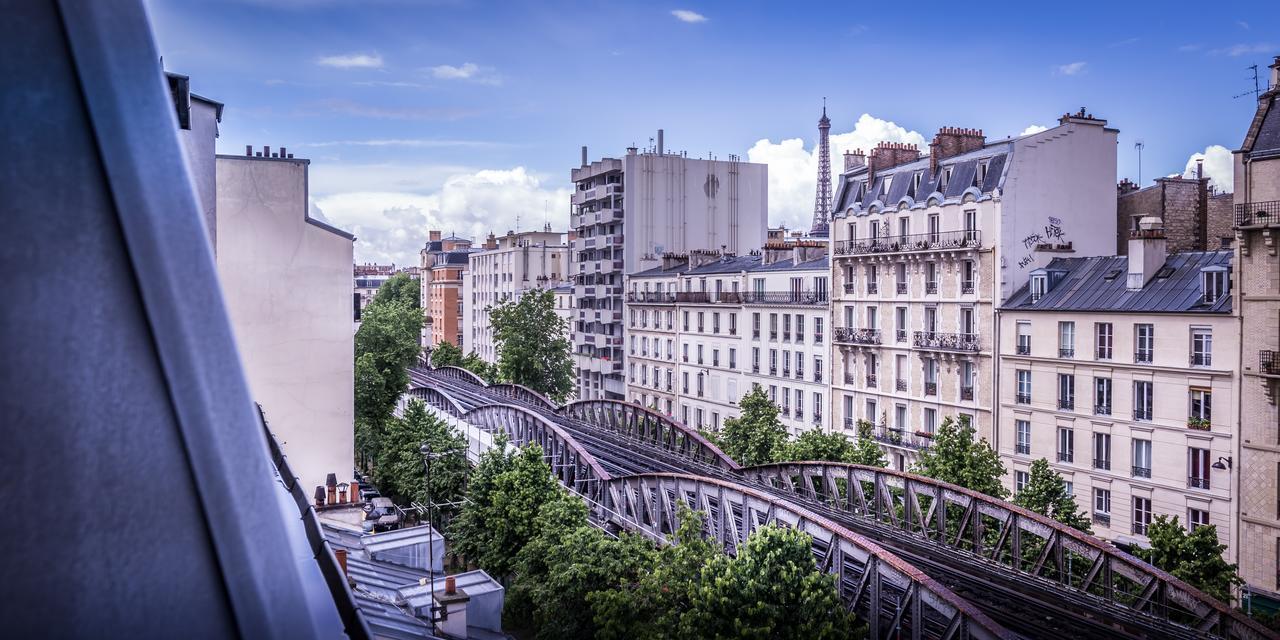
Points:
(504, 269)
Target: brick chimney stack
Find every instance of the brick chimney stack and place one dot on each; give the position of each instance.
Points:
(1126, 187)
(435, 235)
(953, 141)
(854, 159)
(1275, 73)
(890, 154)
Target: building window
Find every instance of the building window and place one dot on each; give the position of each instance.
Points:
(817, 368)
(1039, 285)
(1197, 468)
(755, 325)
(1020, 479)
(786, 326)
(1102, 501)
(715, 357)
(1066, 445)
(1141, 458)
(1141, 515)
(1102, 451)
(1144, 339)
(1102, 396)
(773, 326)
(733, 358)
(684, 349)
(773, 362)
(1197, 518)
(1213, 281)
(1024, 338)
(1142, 399)
(1201, 408)
(1201, 347)
(786, 364)
(1066, 339)
(817, 330)
(967, 276)
(755, 359)
(1066, 391)
(733, 324)
(1103, 340)
(930, 420)
(1023, 431)
(701, 325)
(715, 320)
(1023, 395)
(799, 328)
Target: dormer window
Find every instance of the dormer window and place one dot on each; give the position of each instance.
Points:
(1214, 283)
(915, 183)
(1039, 285)
(946, 178)
(981, 176)
(888, 180)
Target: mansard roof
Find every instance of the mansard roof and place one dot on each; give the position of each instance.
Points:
(1101, 284)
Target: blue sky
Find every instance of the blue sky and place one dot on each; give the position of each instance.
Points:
(467, 116)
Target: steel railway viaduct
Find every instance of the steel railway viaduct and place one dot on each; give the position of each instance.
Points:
(914, 557)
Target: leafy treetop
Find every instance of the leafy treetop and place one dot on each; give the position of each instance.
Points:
(533, 344)
(1195, 557)
(1046, 494)
(955, 457)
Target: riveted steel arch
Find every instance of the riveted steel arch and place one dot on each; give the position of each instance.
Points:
(458, 373)
(572, 464)
(649, 426)
(523, 394)
(895, 599)
(1021, 540)
(438, 399)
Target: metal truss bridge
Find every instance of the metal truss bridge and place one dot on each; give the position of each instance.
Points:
(914, 557)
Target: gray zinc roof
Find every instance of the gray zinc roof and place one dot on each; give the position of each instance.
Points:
(821, 264)
(1099, 284)
(852, 188)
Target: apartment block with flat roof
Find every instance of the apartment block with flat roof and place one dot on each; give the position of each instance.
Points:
(503, 269)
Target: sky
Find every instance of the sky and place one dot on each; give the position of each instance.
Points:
(468, 116)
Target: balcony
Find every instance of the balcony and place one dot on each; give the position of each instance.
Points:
(1141, 472)
(850, 287)
(930, 288)
(1102, 463)
(901, 438)
(1201, 359)
(817, 376)
(773, 335)
(787, 298)
(817, 338)
(1103, 519)
(1023, 349)
(1022, 448)
(755, 334)
(944, 241)
(871, 381)
(1101, 409)
(1067, 403)
(1143, 357)
(1066, 353)
(947, 341)
(1268, 363)
(1022, 398)
(844, 335)
(901, 288)
(1197, 483)
(931, 388)
(1256, 215)
(900, 384)
(651, 297)
(900, 335)
(1066, 456)
(799, 413)
(966, 393)
(773, 371)
(872, 288)
(850, 378)
(1140, 528)
(1199, 424)
(966, 287)
(1142, 414)
(694, 297)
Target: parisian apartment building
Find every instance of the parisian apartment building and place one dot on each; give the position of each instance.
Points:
(706, 327)
(1257, 227)
(504, 269)
(924, 247)
(442, 267)
(626, 213)
(1121, 372)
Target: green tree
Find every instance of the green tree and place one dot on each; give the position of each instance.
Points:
(533, 344)
(446, 354)
(816, 445)
(477, 365)
(1046, 494)
(957, 458)
(867, 451)
(400, 470)
(504, 495)
(566, 561)
(386, 345)
(1195, 557)
(400, 288)
(756, 436)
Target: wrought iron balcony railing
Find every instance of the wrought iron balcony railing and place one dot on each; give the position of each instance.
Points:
(900, 335)
(1022, 448)
(873, 288)
(901, 288)
(847, 335)
(1268, 363)
(804, 298)
(947, 341)
(942, 241)
(1024, 349)
(1141, 472)
(1022, 398)
(1067, 403)
(900, 384)
(966, 393)
(931, 388)
(1102, 409)
(966, 287)
(1201, 359)
(1197, 483)
(871, 380)
(651, 297)
(1066, 353)
(1102, 463)
(1257, 214)
(1066, 456)
(931, 287)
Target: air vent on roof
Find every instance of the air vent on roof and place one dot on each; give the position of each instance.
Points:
(1112, 275)
(1164, 272)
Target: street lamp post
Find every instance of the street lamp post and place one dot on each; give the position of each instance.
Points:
(427, 457)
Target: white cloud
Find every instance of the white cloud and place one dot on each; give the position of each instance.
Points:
(391, 226)
(1186, 48)
(685, 15)
(352, 61)
(793, 170)
(1071, 69)
(1244, 49)
(1219, 167)
(469, 71)
(1033, 128)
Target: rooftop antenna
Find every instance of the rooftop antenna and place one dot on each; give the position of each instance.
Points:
(1139, 145)
(1256, 90)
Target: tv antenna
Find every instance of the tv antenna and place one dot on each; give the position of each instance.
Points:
(1256, 90)
(1139, 145)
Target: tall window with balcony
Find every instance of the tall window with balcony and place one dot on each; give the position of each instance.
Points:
(786, 327)
(1201, 347)
(817, 330)
(930, 420)
(733, 358)
(1066, 445)
(930, 377)
(900, 372)
(1066, 339)
(873, 286)
(755, 359)
(873, 367)
(786, 363)
(935, 227)
(1066, 391)
(1102, 506)
(1102, 396)
(968, 275)
(1022, 393)
(900, 278)
(1023, 346)
(1022, 436)
(1020, 480)
(1144, 342)
(1102, 451)
(773, 326)
(1142, 400)
(733, 324)
(930, 321)
(755, 325)
(817, 368)
(930, 277)
(1201, 401)
(968, 372)
(968, 324)
(1141, 515)
(773, 362)
(701, 326)
(799, 404)
(799, 328)
(970, 225)
(1103, 339)
(900, 324)
(715, 357)
(1141, 458)
(715, 322)
(799, 365)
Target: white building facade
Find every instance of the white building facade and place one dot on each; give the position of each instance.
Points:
(924, 247)
(504, 269)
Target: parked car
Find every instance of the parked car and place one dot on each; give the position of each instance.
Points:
(380, 514)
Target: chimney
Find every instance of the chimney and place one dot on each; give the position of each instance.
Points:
(1199, 168)
(341, 555)
(451, 603)
(775, 252)
(854, 159)
(584, 155)
(806, 251)
(331, 483)
(282, 153)
(953, 141)
(673, 260)
(1275, 73)
(319, 495)
(435, 236)
(355, 491)
(890, 154)
(659, 141)
(699, 257)
(248, 150)
(1147, 251)
(1126, 187)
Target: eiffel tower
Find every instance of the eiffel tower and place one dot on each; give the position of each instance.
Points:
(822, 199)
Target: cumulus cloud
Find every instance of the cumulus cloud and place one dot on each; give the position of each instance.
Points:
(793, 169)
(469, 71)
(352, 61)
(1219, 167)
(1071, 69)
(391, 226)
(1033, 128)
(685, 15)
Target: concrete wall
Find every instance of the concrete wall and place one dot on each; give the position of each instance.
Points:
(198, 143)
(677, 204)
(521, 262)
(287, 283)
(1194, 219)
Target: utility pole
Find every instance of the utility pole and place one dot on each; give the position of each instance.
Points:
(1139, 145)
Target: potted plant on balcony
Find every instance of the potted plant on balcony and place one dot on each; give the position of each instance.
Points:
(1199, 424)
(924, 434)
